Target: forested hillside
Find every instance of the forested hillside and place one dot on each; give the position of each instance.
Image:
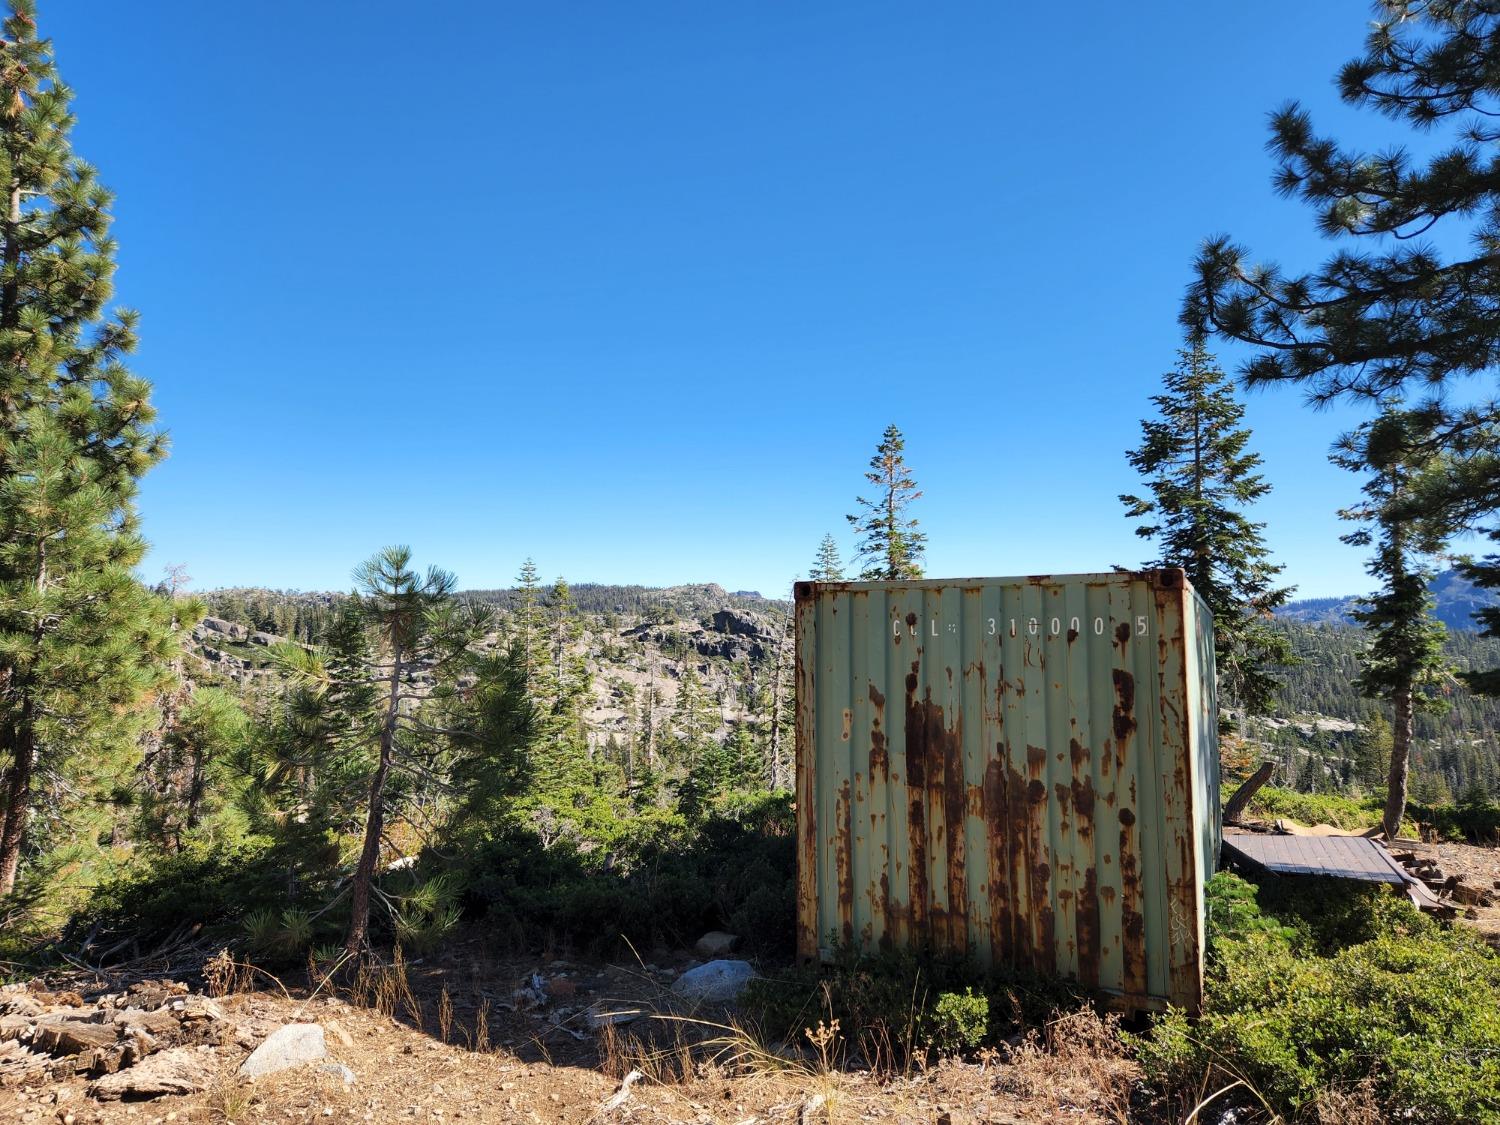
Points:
(1322, 722)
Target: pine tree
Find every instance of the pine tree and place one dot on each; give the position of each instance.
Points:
(1404, 664)
(1403, 311)
(571, 680)
(828, 567)
(530, 624)
(891, 547)
(82, 643)
(1196, 462)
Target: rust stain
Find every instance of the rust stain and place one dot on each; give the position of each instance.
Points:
(955, 812)
(842, 858)
(974, 803)
(880, 761)
(998, 857)
(1086, 914)
(1124, 713)
(916, 812)
(1039, 873)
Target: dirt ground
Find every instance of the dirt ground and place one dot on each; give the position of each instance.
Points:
(1478, 867)
(461, 1041)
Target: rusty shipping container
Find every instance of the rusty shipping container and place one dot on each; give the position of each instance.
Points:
(1024, 771)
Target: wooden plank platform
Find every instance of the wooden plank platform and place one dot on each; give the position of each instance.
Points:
(1339, 857)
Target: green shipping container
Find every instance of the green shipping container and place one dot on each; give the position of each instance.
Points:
(1023, 771)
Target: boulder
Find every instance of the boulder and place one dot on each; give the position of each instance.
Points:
(73, 1036)
(738, 624)
(716, 943)
(292, 1045)
(181, 1070)
(227, 628)
(716, 982)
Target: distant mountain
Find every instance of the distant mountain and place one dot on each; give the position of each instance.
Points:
(1457, 602)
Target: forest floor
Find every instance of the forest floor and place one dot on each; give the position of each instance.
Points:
(401, 1052)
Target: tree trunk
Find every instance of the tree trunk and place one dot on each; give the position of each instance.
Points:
(1401, 728)
(22, 737)
(17, 797)
(364, 874)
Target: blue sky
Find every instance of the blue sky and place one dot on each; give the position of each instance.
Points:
(634, 288)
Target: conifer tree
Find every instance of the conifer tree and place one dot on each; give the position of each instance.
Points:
(828, 567)
(1201, 475)
(891, 546)
(401, 608)
(571, 680)
(1402, 310)
(1404, 664)
(82, 643)
(530, 624)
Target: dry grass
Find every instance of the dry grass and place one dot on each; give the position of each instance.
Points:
(1076, 1062)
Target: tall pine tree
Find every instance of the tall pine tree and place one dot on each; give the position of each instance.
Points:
(890, 545)
(1201, 474)
(1403, 310)
(1404, 664)
(82, 644)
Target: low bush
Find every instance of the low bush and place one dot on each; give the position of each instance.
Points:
(216, 887)
(662, 881)
(1475, 818)
(1315, 987)
(899, 1004)
(1348, 813)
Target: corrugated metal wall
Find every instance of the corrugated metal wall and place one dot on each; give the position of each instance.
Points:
(1021, 770)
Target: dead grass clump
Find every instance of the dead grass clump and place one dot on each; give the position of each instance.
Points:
(387, 988)
(1356, 1105)
(1077, 1061)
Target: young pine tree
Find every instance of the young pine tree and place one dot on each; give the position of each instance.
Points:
(891, 546)
(1201, 476)
(531, 626)
(82, 643)
(829, 567)
(1404, 665)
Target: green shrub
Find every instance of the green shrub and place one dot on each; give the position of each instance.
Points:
(1332, 986)
(959, 1021)
(899, 1003)
(215, 887)
(660, 880)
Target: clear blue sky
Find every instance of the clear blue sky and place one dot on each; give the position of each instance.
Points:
(634, 288)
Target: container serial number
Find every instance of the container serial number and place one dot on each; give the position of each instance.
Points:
(1017, 627)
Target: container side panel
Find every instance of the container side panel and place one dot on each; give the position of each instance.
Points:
(1081, 785)
(1127, 788)
(1012, 770)
(1150, 827)
(879, 637)
(806, 655)
(972, 693)
(864, 904)
(1040, 890)
(1063, 843)
(1176, 656)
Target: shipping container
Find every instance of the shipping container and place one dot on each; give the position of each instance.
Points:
(1021, 771)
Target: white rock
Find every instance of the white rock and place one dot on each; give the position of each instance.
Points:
(288, 1046)
(717, 981)
(716, 943)
(599, 1016)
